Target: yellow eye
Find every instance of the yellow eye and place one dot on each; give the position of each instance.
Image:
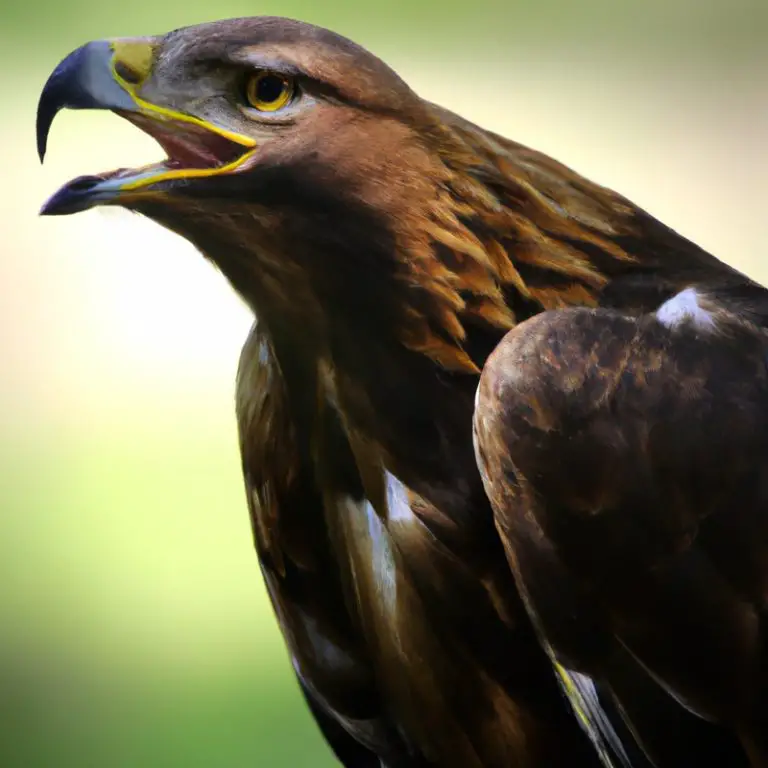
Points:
(268, 91)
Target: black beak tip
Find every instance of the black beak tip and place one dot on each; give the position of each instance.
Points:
(45, 114)
(62, 89)
(74, 197)
(81, 81)
(50, 207)
(42, 138)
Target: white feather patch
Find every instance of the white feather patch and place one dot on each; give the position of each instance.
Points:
(375, 553)
(382, 561)
(682, 307)
(582, 694)
(372, 535)
(398, 508)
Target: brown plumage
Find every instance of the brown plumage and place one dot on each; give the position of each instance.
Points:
(626, 459)
(387, 246)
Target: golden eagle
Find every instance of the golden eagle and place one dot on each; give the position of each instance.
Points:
(565, 567)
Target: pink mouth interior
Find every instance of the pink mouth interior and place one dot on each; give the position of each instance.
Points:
(188, 145)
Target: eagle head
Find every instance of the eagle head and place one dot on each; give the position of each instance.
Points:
(333, 196)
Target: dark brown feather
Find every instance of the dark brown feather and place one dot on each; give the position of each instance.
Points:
(627, 464)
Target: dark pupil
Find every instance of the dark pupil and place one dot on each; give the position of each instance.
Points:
(269, 89)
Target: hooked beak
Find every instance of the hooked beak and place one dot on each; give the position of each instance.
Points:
(108, 74)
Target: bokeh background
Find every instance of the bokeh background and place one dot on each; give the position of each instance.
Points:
(134, 628)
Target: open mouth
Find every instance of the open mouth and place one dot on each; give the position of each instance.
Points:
(188, 145)
(192, 151)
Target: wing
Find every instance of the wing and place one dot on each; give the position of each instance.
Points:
(301, 577)
(626, 459)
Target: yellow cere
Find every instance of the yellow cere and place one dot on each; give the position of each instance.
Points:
(135, 55)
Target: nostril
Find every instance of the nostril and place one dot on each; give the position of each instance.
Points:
(126, 72)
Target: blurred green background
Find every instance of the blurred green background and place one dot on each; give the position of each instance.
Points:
(134, 628)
